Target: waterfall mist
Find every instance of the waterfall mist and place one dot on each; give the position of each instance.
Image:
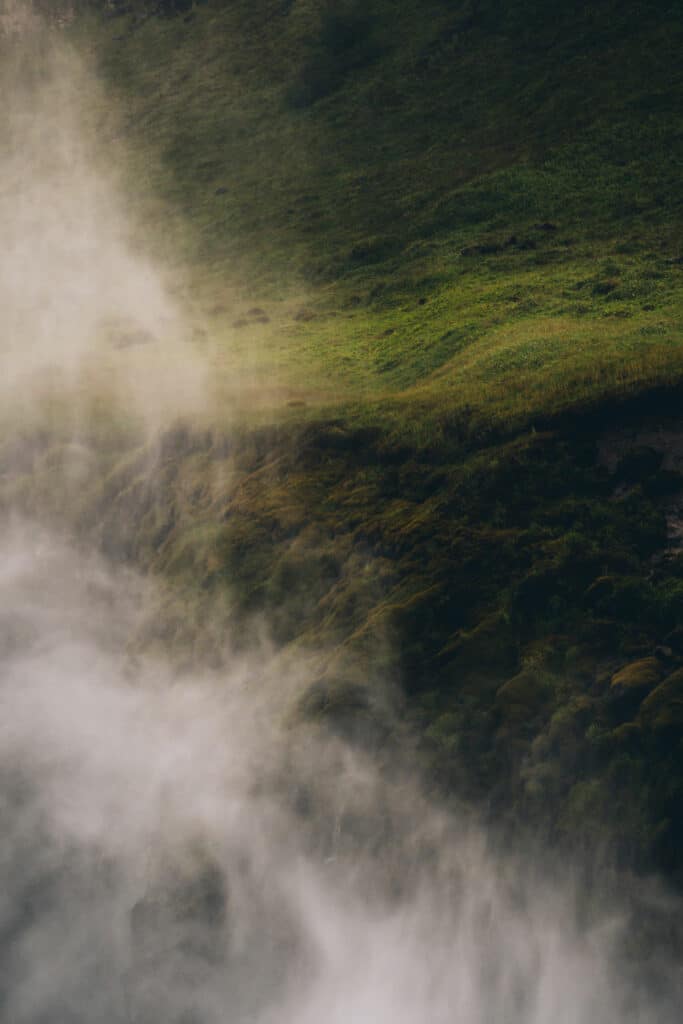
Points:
(86, 316)
(175, 848)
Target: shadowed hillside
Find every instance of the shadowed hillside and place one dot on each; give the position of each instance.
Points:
(434, 196)
(433, 254)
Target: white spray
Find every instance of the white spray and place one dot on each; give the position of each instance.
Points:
(171, 849)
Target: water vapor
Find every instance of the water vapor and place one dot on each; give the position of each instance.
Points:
(85, 313)
(174, 848)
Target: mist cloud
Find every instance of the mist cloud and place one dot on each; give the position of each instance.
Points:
(173, 848)
(84, 311)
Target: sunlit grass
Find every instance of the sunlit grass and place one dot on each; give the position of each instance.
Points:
(426, 233)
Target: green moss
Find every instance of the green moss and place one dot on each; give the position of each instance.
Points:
(523, 697)
(517, 232)
(638, 675)
(488, 648)
(662, 711)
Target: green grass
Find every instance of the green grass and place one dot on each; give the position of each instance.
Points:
(432, 253)
(374, 171)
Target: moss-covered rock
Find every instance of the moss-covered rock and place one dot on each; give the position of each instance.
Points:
(523, 697)
(639, 676)
(506, 588)
(626, 736)
(488, 648)
(662, 710)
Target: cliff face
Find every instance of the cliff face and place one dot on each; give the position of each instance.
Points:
(431, 256)
(526, 595)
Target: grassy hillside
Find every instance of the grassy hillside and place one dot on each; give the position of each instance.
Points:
(427, 200)
(440, 245)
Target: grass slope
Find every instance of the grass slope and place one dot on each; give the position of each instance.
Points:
(442, 244)
(462, 199)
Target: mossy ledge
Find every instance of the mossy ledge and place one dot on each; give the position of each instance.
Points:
(526, 594)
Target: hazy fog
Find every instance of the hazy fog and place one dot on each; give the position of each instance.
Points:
(173, 848)
(172, 851)
(83, 309)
